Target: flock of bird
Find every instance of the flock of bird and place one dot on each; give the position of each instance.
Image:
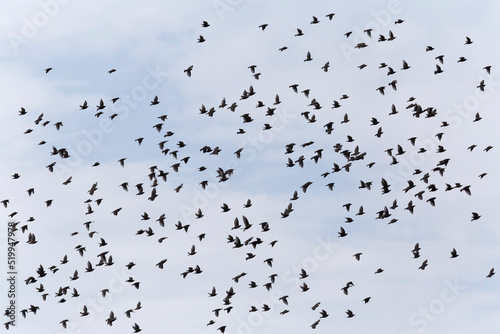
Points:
(349, 155)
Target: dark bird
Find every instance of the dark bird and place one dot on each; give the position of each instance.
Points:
(161, 263)
(136, 328)
(101, 105)
(303, 274)
(188, 70)
(84, 312)
(308, 56)
(155, 101)
(315, 324)
(64, 323)
(475, 216)
(111, 318)
(305, 186)
(481, 86)
(438, 69)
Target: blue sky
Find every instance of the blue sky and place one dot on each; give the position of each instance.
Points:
(150, 44)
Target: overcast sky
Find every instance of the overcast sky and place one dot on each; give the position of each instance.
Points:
(150, 44)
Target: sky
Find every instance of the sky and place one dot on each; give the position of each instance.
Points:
(151, 44)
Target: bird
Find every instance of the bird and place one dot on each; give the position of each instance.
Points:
(326, 66)
(481, 86)
(188, 70)
(155, 101)
(136, 328)
(303, 274)
(438, 69)
(475, 216)
(84, 312)
(305, 186)
(308, 56)
(101, 105)
(64, 323)
(161, 263)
